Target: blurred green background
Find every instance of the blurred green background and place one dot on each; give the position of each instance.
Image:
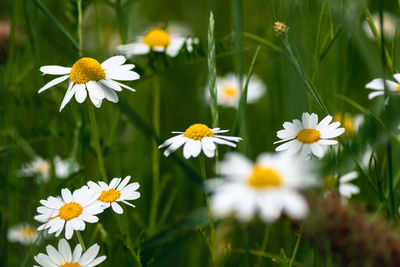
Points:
(334, 51)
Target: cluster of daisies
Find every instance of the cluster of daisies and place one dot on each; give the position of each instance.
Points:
(72, 210)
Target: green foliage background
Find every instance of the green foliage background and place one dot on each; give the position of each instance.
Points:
(331, 46)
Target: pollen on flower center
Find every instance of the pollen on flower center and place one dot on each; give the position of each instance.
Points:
(70, 264)
(229, 91)
(398, 87)
(27, 231)
(44, 167)
(86, 69)
(308, 136)
(157, 37)
(70, 210)
(109, 195)
(262, 177)
(198, 131)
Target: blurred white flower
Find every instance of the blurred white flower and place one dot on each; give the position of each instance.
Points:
(229, 90)
(71, 211)
(267, 188)
(64, 168)
(196, 138)
(308, 136)
(378, 85)
(64, 257)
(38, 168)
(389, 26)
(87, 75)
(23, 233)
(346, 188)
(159, 40)
(115, 192)
(350, 123)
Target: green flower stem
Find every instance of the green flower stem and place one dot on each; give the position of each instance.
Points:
(156, 160)
(78, 234)
(96, 138)
(79, 7)
(211, 221)
(296, 247)
(263, 246)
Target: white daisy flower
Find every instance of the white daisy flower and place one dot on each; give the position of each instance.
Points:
(115, 192)
(346, 188)
(308, 136)
(88, 75)
(64, 257)
(196, 138)
(23, 233)
(64, 168)
(38, 167)
(378, 85)
(158, 40)
(389, 26)
(229, 91)
(71, 211)
(267, 188)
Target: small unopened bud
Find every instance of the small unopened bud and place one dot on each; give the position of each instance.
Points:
(280, 29)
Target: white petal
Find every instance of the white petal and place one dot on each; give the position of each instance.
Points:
(187, 149)
(134, 49)
(54, 255)
(65, 250)
(317, 150)
(117, 208)
(349, 177)
(66, 195)
(122, 75)
(77, 253)
(196, 149)
(286, 145)
(375, 94)
(286, 134)
(113, 62)
(95, 90)
(124, 183)
(111, 84)
(295, 205)
(53, 82)
(81, 93)
(324, 123)
(110, 94)
(68, 95)
(55, 70)
(89, 255)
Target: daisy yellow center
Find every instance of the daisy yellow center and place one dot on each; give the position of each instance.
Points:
(109, 195)
(28, 232)
(198, 131)
(264, 177)
(330, 182)
(347, 122)
(44, 167)
(308, 136)
(157, 37)
(398, 87)
(70, 264)
(229, 91)
(70, 210)
(86, 69)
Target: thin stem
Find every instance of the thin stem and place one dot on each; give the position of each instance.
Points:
(156, 160)
(211, 221)
(263, 246)
(296, 247)
(78, 234)
(79, 6)
(95, 134)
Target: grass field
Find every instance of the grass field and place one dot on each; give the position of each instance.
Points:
(256, 68)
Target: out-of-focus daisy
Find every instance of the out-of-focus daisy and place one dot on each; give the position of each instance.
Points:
(115, 192)
(158, 40)
(267, 188)
(229, 90)
(349, 123)
(389, 25)
(71, 211)
(196, 138)
(64, 257)
(39, 168)
(308, 136)
(23, 233)
(88, 75)
(64, 168)
(345, 188)
(378, 85)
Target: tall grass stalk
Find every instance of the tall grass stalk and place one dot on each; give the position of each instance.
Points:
(210, 217)
(212, 71)
(155, 159)
(96, 139)
(385, 64)
(79, 24)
